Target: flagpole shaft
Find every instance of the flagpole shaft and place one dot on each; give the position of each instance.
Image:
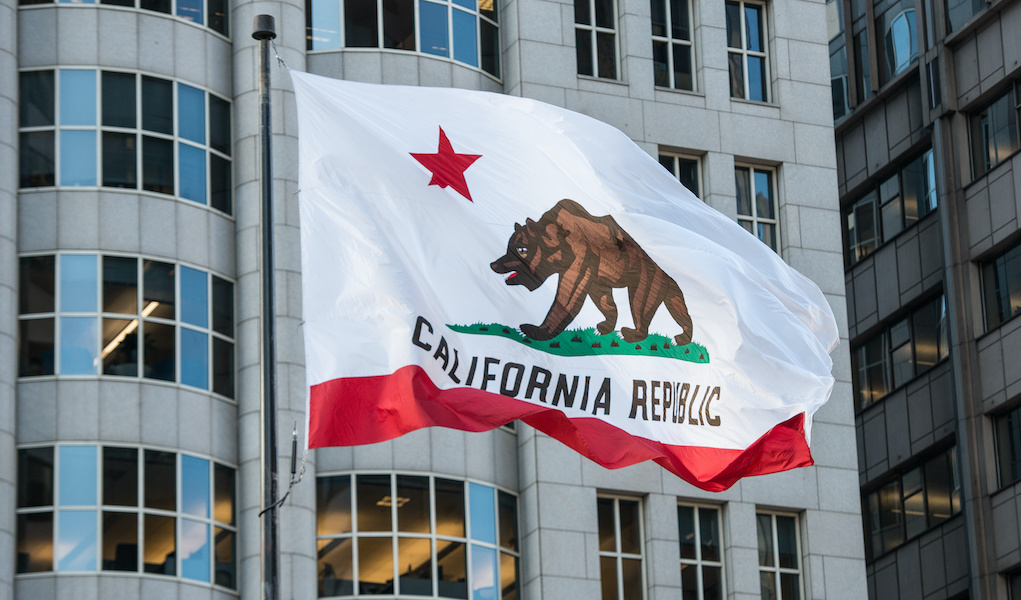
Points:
(264, 31)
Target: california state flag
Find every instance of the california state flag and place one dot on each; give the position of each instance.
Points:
(470, 259)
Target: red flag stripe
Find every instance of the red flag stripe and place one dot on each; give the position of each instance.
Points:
(366, 410)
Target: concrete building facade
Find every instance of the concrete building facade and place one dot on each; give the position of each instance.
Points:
(925, 100)
(129, 307)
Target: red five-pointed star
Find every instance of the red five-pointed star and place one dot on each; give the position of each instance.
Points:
(447, 166)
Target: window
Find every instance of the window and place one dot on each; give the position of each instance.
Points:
(83, 314)
(701, 552)
(687, 169)
(113, 508)
(911, 503)
(211, 13)
(779, 556)
(896, 40)
(896, 204)
(862, 61)
(838, 57)
(595, 36)
(448, 537)
(960, 11)
(620, 548)
(746, 50)
(466, 31)
(1001, 287)
(672, 50)
(1008, 446)
(756, 204)
(88, 128)
(994, 133)
(901, 352)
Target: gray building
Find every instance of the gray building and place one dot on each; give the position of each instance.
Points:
(129, 306)
(926, 100)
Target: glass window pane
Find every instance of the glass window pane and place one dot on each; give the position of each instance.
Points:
(118, 99)
(490, 48)
(191, 104)
(583, 45)
(158, 350)
(35, 542)
(374, 502)
(194, 550)
(399, 24)
(434, 38)
(449, 507)
(157, 165)
(216, 11)
(35, 351)
(219, 124)
(488, 9)
(604, 14)
(77, 158)
(465, 38)
(78, 352)
(734, 25)
(120, 476)
(195, 486)
(160, 480)
(508, 509)
(77, 97)
(37, 159)
(483, 573)
(120, 541)
(452, 569)
(631, 570)
(483, 516)
(78, 282)
(158, 296)
(220, 184)
(661, 64)
(223, 306)
(225, 549)
(508, 577)
(767, 233)
(790, 586)
(120, 347)
(608, 577)
(120, 285)
(686, 531)
(414, 556)
(767, 581)
(223, 367)
(336, 570)
(323, 30)
(120, 160)
(606, 54)
(680, 24)
(764, 195)
(157, 105)
(375, 565)
(35, 477)
(190, 10)
(194, 297)
(938, 487)
(764, 529)
(36, 284)
(36, 106)
(689, 582)
(162, 6)
(743, 182)
(360, 25)
(77, 539)
(683, 79)
(753, 28)
(712, 583)
(333, 505)
(582, 12)
(709, 531)
(757, 82)
(159, 555)
(659, 17)
(223, 485)
(192, 172)
(607, 528)
(413, 506)
(630, 534)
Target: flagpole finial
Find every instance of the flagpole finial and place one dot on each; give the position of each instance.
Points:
(264, 28)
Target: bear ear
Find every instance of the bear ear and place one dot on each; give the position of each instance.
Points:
(529, 221)
(517, 228)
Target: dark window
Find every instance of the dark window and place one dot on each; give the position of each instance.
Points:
(119, 99)
(37, 159)
(216, 16)
(1001, 286)
(994, 134)
(685, 169)
(620, 548)
(36, 106)
(360, 25)
(757, 211)
(595, 26)
(896, 40)
(779, 556)
(746, 50)
(157, 105)
(120, 160)
(672, 48)
(960, 11)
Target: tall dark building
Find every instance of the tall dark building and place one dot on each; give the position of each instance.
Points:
(926, 100)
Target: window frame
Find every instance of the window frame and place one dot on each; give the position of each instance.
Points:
(593, 30)
(670, 41)
(699, 562)
(754, 219)
(140, 510)
(207, 9)
(981, 140)
(991, 284)
(617, 554)
(675, 159)
(776, 570)
(394, 534)
(745, 52)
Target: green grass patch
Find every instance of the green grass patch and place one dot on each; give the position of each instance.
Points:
(587, 342)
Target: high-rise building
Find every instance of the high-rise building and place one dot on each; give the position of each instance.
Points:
(129, 306)
(925, 102)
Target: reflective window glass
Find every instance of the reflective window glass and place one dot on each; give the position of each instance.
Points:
(120, 476)
(192, 167)
(482, 509)
(399, 24)
(413, 504)
(224, 498)
(322, 28)
(374, 502)
(191, 108)
(77, 158)
(157, 105)
(217, 20)
(158, 290)
(120, 541)
(465, 38)
(452, 566)
(190, 10)
(194, 296)
(223, 367)
(160, 480)
(37, 164)
(194, 546)
(450, 507)
(336, 568)
(157, 165)
(35, 477)
(36, 92)
(219, 124)
(508, 509)
(415, 575)
(120, 347)
(36, 284)
(78, 352)
(118, 99)
(220, 184)
(194, 486)
(225, 552)
(78, 475)
(34, 544)
(120, 160)
(483, 575)
(77, 533)
(77, 97)
(433, 27)
(377, 552)
(360, 24)
(160, 551)
(194, 358)
(36, 348)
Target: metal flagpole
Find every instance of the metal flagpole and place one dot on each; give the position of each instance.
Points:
(265, 31)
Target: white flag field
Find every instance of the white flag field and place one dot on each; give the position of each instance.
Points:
(470, 259)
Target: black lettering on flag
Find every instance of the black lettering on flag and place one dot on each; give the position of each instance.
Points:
(603, 398)
(682, 400)
(416, 338)
(454, 368)
(637, 399)
(471, 370)
(711, 420)
(511, 391)
(584, 395)
(655, 400)
(442, 352)
(486, 375)
(668, 399)
(563, 391)
(691, 407)
(535, 384)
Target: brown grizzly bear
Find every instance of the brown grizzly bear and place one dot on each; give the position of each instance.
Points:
(592, 255)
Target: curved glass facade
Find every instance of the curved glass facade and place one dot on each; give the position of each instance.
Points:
(210, 13)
